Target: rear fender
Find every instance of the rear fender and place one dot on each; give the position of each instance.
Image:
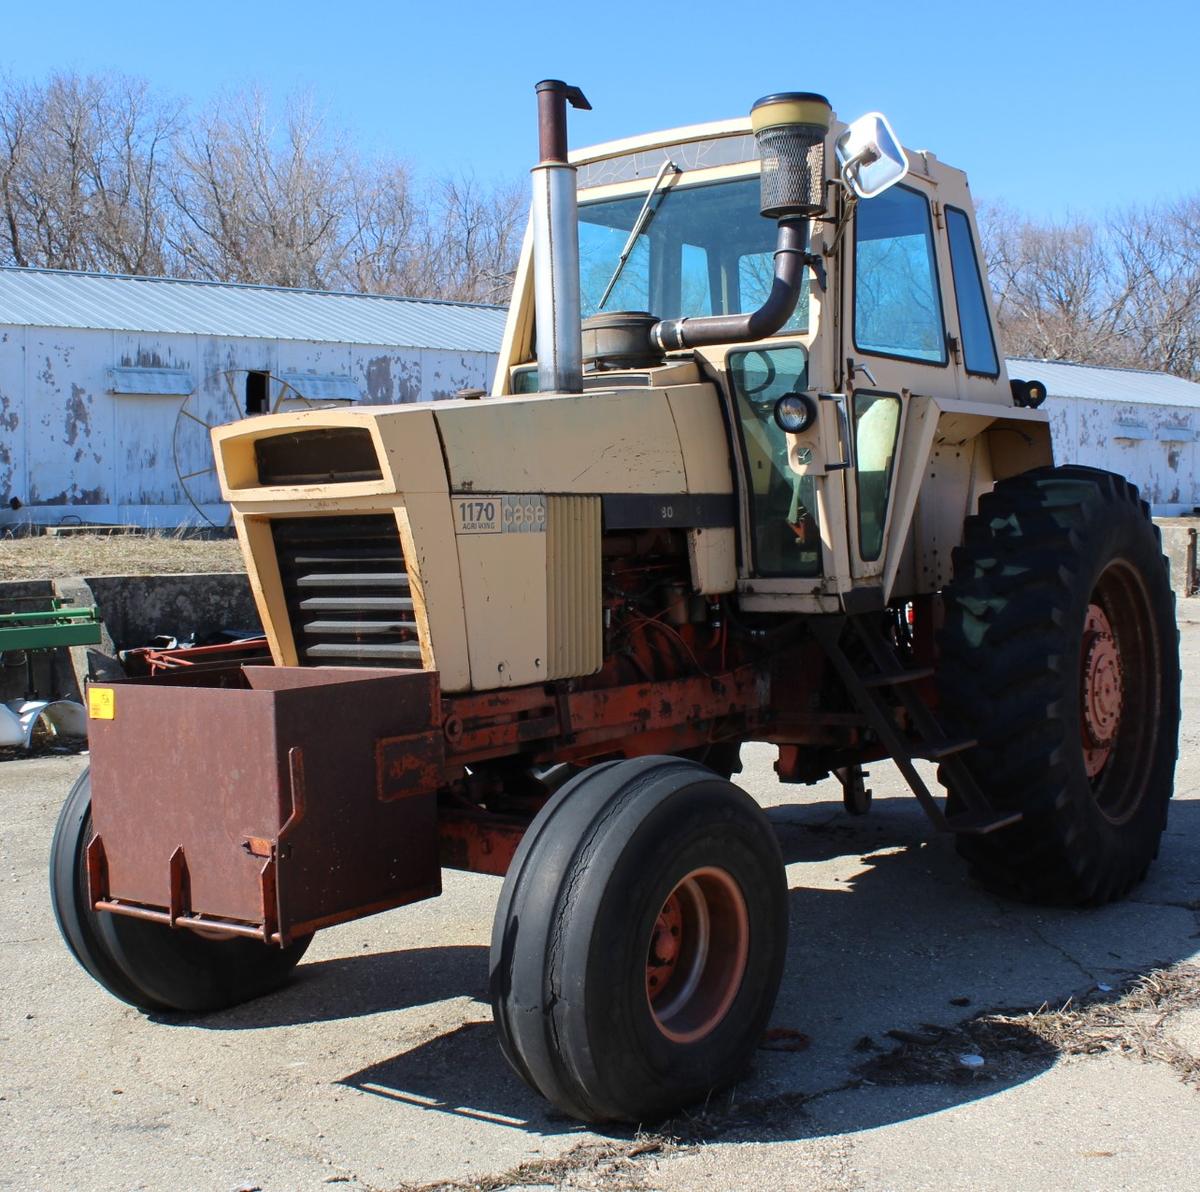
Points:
(952, 453)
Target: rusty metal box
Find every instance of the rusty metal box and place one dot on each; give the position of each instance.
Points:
(268, 800)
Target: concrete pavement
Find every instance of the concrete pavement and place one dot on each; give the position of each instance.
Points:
(378, 1067)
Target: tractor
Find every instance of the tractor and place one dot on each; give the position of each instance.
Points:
(751, 469)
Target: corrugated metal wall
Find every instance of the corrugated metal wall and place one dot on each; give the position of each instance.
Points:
(72, 450)
(1152, 445)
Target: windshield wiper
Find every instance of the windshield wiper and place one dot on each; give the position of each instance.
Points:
(639, 225)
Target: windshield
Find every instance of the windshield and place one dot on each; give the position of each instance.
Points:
(705, 250)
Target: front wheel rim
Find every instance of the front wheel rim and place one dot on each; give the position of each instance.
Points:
(697, 955)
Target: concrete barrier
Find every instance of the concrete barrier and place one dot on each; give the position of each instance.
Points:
(1179, 545)
(137, 608)
(134, 609)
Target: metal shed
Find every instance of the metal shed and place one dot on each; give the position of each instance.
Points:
(1142, 424)
(108, 384)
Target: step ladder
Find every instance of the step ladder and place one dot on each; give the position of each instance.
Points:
(928, 739)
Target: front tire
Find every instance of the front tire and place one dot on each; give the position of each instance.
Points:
(639, 941)
(1060, 655)
(150, 965)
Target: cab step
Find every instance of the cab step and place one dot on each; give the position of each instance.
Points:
(928, 739)
(974, 823)
(896, 678)
(934, 751)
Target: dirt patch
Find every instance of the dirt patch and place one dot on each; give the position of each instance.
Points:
(589, 1166)
(1133, 1021)
(116, 554)
(1137, 1024)
(987, 1048)
(43, 745)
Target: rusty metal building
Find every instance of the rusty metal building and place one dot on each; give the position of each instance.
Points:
(108, 384)
(1144, 425)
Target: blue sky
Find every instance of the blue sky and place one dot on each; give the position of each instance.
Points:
(1053, 107)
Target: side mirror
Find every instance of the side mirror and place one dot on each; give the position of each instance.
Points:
(869, 156)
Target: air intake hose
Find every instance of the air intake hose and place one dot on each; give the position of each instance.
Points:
(790, 129)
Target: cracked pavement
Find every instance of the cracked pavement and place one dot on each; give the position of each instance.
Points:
(378, 1068)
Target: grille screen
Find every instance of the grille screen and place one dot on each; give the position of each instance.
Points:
(346, 587)
(793, 170)
(331, 455)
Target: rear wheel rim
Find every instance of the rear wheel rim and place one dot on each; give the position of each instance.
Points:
(1101, 684)
(697, 954)
(1120, 691)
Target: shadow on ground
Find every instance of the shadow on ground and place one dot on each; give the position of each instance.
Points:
(895, 963)
(354, 986)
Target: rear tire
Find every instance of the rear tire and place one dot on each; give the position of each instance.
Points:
(639, 941)
(150, 965)
(1060, 655)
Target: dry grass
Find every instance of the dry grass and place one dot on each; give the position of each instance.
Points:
(150, 553)
(1133, 1022)
(933, 1054)
(591, 1166)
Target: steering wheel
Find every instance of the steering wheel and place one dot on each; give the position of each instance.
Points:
(771, 370)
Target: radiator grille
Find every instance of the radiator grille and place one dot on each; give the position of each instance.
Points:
(575, 641)
(346, 587)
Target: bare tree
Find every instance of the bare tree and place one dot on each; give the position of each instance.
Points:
(1124, 291)
(478, 238)
(290, 205)
(133, 149)
(385, 233)
(457, 239)
(255, 202)
(97, 173)
(1157, 253)
(81, 173)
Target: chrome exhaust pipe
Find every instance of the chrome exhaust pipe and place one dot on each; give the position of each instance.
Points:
(555, 216)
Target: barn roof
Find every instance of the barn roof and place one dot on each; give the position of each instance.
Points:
(103, 301)
(1125, 385)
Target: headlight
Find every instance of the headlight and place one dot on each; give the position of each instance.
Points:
(795, 413)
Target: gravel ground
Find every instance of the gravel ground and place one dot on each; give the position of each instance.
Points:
(115, 554)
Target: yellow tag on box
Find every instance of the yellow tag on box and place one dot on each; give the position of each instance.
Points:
(102, 703)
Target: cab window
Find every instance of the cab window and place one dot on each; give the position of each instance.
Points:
(897, 310)
(756, 276)
(785, 534)
(876, 428)
(705, 251)
(695, 284)
(978, 346)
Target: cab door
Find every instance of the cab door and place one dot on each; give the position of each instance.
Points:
(783, 528)
(793, 499)
(894, 346)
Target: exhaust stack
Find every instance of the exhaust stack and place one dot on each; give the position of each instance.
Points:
(790, 130)
(556, 244)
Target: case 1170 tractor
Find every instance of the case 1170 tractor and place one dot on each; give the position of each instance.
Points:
(751, 470)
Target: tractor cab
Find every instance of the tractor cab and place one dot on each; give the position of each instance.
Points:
(890, 324)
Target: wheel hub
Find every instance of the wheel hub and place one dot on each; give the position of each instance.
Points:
(664, 947)
(697, 953)
(1102, 690)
